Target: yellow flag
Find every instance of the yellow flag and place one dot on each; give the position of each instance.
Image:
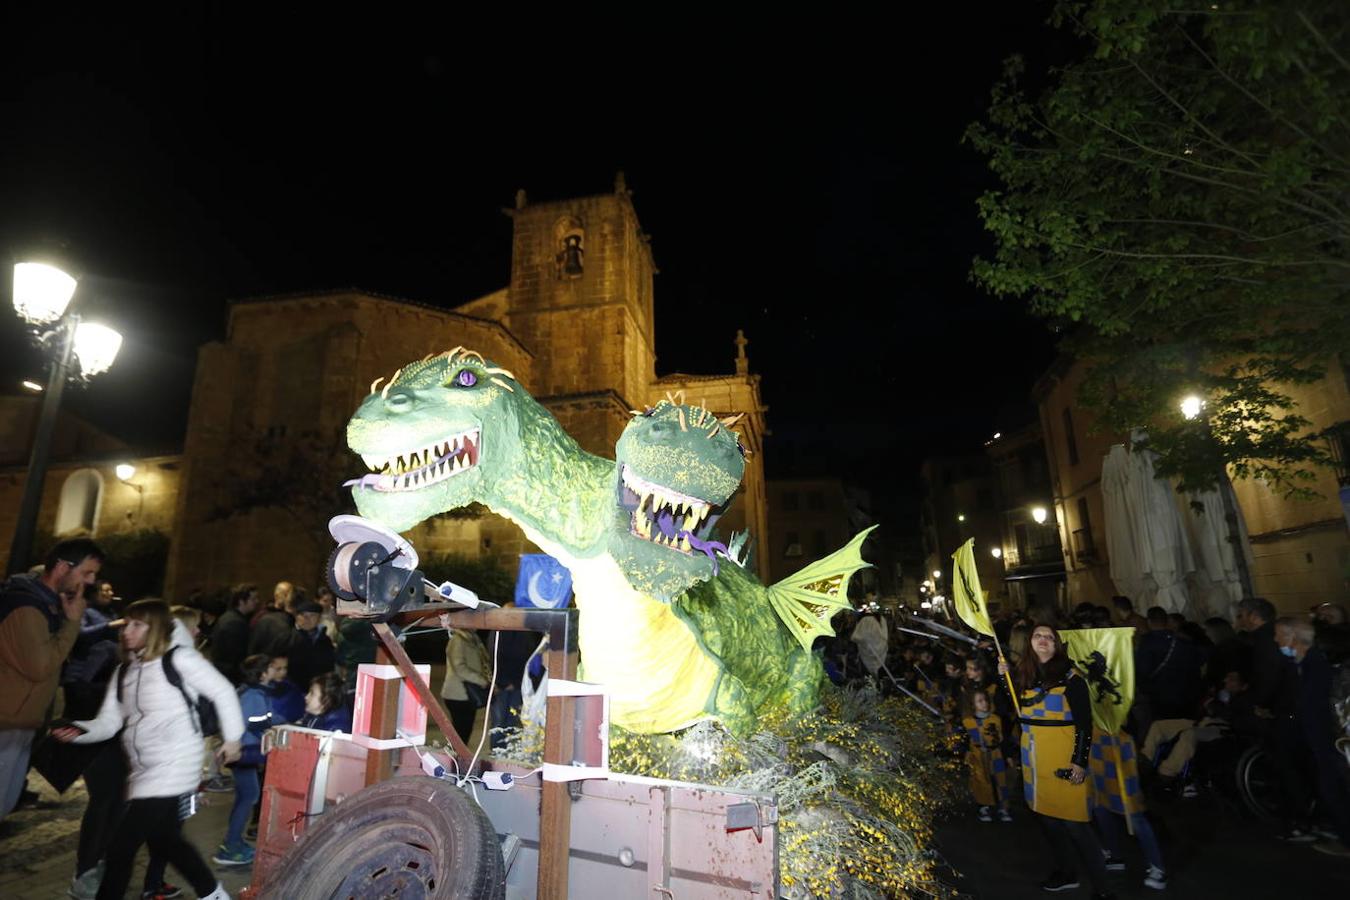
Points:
(1105, 656)
(966, 593)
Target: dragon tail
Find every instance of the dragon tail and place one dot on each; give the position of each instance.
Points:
(806, 600)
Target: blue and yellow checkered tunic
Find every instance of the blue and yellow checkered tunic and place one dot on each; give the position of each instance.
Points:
(984, 759)
(1047, 746)
(1114, 768)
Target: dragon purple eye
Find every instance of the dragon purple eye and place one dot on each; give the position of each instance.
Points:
(466, 378)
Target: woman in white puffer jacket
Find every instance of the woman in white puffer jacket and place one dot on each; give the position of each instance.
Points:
(162, 740)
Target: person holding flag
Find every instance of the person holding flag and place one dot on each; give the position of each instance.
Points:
(1105, 656)
(1055, 713)
(1056, 719)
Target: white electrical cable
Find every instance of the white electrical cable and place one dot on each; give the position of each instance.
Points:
(487, 708)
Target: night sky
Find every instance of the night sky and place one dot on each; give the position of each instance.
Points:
(804, 182)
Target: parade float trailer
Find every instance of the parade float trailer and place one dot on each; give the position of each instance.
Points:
(378, 814)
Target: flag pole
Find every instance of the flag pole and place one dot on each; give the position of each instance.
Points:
(1007, 675)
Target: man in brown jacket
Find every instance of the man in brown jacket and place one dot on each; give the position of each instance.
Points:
(39, 621)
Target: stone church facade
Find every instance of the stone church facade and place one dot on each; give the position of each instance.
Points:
(264, 449)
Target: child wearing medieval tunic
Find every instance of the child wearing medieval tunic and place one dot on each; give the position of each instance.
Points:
(983, 729)
(1056, 719)
(1116, 793)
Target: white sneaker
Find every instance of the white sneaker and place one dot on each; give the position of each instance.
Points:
(1156, 879)
(85, 885)
(218, 894)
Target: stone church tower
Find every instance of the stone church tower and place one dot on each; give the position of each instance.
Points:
(575, 324)
(580, 299)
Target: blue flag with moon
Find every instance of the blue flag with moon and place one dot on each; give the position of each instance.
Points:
(543, 582)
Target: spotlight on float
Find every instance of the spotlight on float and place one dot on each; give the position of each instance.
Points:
(1040, 514)
(373, 572)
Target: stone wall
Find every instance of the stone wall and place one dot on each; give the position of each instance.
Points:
(147, 500)
(291, 371)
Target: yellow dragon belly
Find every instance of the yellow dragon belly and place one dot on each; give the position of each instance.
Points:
(658, 677)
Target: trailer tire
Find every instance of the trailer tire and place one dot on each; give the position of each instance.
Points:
(406, 838)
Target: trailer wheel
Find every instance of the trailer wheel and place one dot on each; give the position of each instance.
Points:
(408, 838)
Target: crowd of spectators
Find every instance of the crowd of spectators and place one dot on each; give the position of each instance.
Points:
(93, 687)
(1205, 692)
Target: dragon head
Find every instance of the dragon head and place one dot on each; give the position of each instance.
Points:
(423, 437)
(677, 469)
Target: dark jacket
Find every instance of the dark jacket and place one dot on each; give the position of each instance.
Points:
(35, 639)
(310, 653)
(271, 633)
(339, 719)
(1273, 676)
(229, 644)
(1313, 704)
(94, 655)
(1167, 672)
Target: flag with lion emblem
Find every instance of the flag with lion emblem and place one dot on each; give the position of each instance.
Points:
(1105, 657)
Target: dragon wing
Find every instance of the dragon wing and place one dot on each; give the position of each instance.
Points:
(806, 600)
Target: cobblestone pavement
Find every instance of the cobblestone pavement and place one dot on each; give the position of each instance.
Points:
(37, 844)
(1210, 848)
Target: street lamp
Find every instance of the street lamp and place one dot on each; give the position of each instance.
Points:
(42, 296)
(1191, 406)
(1040, 514)
(125, 471)
(996, 552)
(937, 574)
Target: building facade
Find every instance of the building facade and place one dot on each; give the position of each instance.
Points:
(1300, 549)
(959, 502)
(1033, 563)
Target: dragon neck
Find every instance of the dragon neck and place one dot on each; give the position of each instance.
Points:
(559, 494)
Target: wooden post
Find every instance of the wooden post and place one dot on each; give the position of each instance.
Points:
(383, 724)
(555, 816)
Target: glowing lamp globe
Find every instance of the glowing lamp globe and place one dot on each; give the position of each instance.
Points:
(125, 471)
(1190, 406)
(996, 552)
(96, 347)
(1040, 514)
(41, 292)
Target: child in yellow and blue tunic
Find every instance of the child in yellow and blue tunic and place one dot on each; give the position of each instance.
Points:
(1116, 792)
(988, 769)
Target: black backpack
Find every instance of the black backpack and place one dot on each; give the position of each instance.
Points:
(202, 711)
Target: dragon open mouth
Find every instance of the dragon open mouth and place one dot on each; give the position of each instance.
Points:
(423, 467)
(665, 516)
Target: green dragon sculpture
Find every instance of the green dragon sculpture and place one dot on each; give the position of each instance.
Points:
(670, 622)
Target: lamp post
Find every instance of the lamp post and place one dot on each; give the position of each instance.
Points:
(42, 295)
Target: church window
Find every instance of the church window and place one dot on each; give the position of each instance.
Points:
(81, 496)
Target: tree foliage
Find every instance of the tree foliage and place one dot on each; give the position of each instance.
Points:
(1177, 203)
